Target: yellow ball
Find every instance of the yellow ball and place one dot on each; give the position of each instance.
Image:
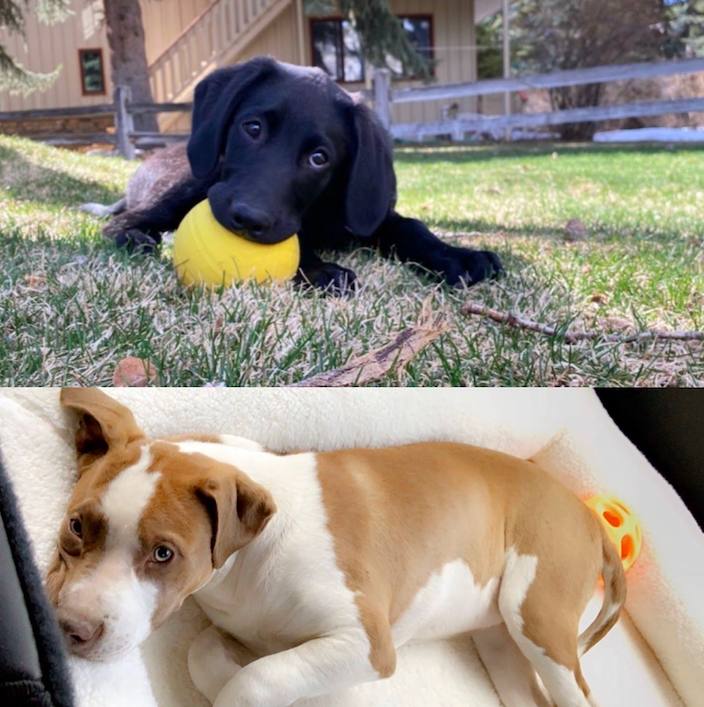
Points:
(206, 253)
(621, 525)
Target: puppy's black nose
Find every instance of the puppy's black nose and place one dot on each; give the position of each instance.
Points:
(253, 222)
(81, 634)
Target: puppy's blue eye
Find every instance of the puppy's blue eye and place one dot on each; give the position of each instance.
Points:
(253, 128)
(162, 554)
(318, 159)
(76, 527)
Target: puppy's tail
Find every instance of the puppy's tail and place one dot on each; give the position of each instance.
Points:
(614, 596)
(101, 210)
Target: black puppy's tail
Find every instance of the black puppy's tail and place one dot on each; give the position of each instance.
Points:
(101, 210)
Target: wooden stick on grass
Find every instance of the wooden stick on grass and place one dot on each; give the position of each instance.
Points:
(380, 362)
(571, 338)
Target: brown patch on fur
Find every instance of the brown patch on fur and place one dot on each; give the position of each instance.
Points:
(393, 515)
(614, 593)
(77, 556)
(202, 509)
(197, 437)
(238, 508)
(175, 518)
(581, 682)
(55, 578)
(103, 424)
(398, 515)
(544, 520)
(569, 565)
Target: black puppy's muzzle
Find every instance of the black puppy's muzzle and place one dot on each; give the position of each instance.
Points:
(252, 217)
(250, 222)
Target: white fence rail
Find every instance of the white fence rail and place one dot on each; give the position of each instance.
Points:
(384, 99)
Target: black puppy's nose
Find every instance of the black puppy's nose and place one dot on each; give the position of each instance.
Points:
(251, 221)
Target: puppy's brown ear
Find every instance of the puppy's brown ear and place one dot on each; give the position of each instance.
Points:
(103, 424)
(239, 510)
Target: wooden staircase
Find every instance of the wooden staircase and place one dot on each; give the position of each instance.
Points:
(213, 39)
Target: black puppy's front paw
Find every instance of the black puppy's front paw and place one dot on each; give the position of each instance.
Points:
(466, 267)
(331, 278)
(134, 241)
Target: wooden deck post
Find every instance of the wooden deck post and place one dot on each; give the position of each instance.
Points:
(381, 82)
(124, 123)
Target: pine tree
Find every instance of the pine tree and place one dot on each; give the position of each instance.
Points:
(685, 28)
(13, 76)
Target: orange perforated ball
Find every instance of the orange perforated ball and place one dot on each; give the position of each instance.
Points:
(621, 524)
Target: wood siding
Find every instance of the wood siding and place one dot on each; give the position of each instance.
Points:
(453, 39)
(164, 20)
(453, 35)
(279, 39)
(45, 47)
(453, 49)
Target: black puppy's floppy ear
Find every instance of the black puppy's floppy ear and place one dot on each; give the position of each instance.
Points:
(216, 99)
(371, 186)
(103, 424)
(238, 507)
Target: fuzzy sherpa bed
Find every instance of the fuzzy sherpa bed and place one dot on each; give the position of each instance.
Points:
(653, 658)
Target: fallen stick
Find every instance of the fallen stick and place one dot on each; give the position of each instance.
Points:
(571, 338)
(380, 362)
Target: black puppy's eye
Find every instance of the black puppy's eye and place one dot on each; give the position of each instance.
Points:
(253, 128)
(76, 527)
(162, 554)
(318, 159)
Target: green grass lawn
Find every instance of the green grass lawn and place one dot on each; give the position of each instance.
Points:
(72, 305)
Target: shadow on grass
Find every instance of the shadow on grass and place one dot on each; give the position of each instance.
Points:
(448, 152)
(598, 233)
(25, 180)
(476, 229)
(511, 261)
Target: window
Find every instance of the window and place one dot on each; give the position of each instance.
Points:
(337, 49)
(419, 31)
(92, 71)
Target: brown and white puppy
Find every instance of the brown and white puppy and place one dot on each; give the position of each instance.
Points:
(325, 563)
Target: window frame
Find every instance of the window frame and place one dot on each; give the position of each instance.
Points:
(431, 49)
(339, 20)
(340, 45)
(81, 70)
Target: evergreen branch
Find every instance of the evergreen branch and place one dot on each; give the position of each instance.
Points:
(16, 79)
(50, 12)
(382, 35)
(13, 76)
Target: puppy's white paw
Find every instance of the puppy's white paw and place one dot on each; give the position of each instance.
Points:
(213, 660)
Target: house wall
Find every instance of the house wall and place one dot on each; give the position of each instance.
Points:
(57, 44)
(46, 46)
(164, 20)
(279, 39)
(453, 35)
(453, 40)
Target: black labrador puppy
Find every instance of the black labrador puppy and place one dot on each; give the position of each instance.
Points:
(280, 149)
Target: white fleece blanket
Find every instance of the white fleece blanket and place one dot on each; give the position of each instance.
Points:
(653, 658)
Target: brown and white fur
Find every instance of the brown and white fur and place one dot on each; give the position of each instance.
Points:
(323, 564)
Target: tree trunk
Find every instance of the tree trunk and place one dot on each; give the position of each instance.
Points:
(128, 57)
(576, 97)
